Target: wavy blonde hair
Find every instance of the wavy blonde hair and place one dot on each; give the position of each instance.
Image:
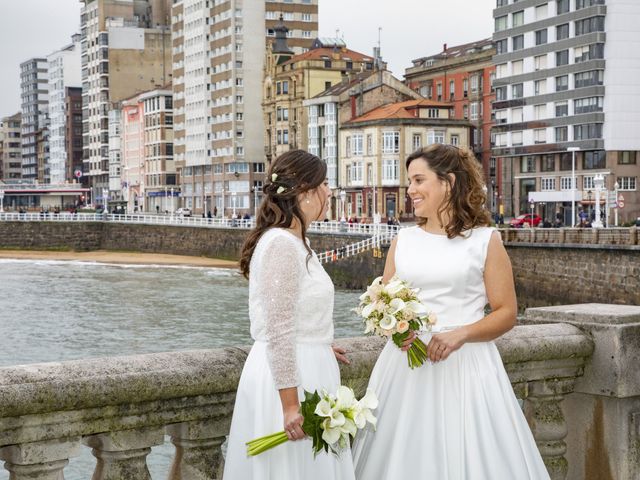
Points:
(466, 198)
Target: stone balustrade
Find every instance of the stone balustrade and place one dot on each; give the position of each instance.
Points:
(620, 237)
(121, 407)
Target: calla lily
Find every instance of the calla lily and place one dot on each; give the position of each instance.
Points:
(370, 400)
(394, 287)
(397, 305)
(337, 418)
(387, 322)
(345, 398)
(330, 435)
(323, 409)
(368, 310)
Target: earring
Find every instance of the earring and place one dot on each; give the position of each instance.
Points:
(308, 201)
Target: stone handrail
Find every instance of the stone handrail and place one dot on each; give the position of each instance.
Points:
(571, 236)
(121, 407)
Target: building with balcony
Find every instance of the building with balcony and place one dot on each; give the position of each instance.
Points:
(126, 49)
(463, 75)
(65, 112)
(356, 94)
(218, 63)
(374, 146)
(10, 149)
(35, 103)
(566, 77)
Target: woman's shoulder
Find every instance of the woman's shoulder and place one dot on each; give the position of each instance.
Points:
(280, 237)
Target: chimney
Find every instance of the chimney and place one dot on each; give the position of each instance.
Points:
(444, 47)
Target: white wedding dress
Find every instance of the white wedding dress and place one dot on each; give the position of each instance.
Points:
(457, 419)
(291, 313)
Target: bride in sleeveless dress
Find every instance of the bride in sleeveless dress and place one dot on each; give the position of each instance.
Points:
(456, 417)
(291, 313)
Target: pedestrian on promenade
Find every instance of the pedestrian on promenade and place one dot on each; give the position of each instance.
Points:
(455, 417)
(291, 314)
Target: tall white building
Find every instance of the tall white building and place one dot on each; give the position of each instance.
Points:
(35, 99)
(218, 64)
(567, 76)
(64, 73)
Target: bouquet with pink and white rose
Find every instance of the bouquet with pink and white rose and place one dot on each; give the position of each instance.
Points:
(394, 311)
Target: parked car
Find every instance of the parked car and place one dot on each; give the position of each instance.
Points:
(525, 220)
(183, 212)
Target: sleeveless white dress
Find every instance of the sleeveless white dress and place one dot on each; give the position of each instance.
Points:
(291, 314)
(457, 419)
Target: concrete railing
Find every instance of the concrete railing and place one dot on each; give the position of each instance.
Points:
(571, 236)
(121, 407)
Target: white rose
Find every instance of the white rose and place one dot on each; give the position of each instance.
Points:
(402, 326)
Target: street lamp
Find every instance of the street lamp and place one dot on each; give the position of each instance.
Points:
(533, 205)
(343, 197)
(105, 198)
(598, 182)
(573, 151)
(233, 198)
(616, 186)
(171, 204)
(255, 202)
(1, 201)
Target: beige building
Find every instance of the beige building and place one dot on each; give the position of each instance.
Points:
(126, 49)
(10, 149)
(374, 146)
(218, 63)
(290, 80)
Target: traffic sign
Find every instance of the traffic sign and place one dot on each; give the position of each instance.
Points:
(620, 203)
(77, 173)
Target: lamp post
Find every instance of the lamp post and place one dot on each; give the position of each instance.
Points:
(532, 204)
(598, 182)
(105, 198)
(343, 197)
(589, 194)
(1, 201)
(573, 151)
(616, 186)
(255, 201)
(171, 204)
(233, 199)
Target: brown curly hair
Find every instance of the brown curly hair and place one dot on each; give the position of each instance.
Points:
(466, 198)
(291, 174)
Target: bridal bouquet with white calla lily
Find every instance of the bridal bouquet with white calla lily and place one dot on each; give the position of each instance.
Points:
(329, 421)
(393, 310)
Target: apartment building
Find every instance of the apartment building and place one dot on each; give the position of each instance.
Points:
(357, 94)
(10, 149)
(374, 146)
(126, 49)
(64, 74)
(218, 62)
(565, 109)
(463, 75)
(35, 100)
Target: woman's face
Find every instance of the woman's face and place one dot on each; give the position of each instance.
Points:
(426, 191)
(315, 203)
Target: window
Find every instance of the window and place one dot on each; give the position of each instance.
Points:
(540, 87)
(369, 144)
(580, 4)
(562, 6)
(527, 164)
(594, 159)
(502, 70)
(516, 115)
(587, 105)
(435, 136)
(517, 42)
(501, 46)
(516, 90)
(541, 36)
(539, 112)
(502, 3)
(566, 182)
(390, 142)
(562, 134)
(465, 87)
(540, 62)
(562, 31)
(517, 19)
(452, 89)
(548, 164)
(562, 109)
(516, 67)
(474, 110)
(587, 79)
(475, 82)
(465, 111)
(501, 140)
(547, 184)
(589, 25)
(390, 170)
(540, 135)
(306, 17)
(587, 183)
(589, 52)
(357, 144)
(258, 167)
(455, 140)
(541, 11)
(587, 131)
(417, 141)
(562, 58)
(501, 23)
(562, 83)
(501, 93)
(516, 138)
(347, 146)
(627, 158)
(626, 183)
(566, 161)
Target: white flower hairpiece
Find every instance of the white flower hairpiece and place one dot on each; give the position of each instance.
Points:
(280, 190)
(274, 177)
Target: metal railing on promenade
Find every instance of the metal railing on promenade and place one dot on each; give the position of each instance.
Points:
(347, 251)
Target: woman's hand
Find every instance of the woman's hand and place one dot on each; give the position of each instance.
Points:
(293, 424)
(409, 340)
(340, 352)
(443, 344)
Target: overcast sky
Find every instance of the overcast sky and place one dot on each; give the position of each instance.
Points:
(410, 29)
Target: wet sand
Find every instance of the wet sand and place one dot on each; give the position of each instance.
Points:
(131, 258)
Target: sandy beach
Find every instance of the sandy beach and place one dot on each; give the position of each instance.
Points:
(103, 256)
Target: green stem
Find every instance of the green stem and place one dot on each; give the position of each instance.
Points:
(262, 444)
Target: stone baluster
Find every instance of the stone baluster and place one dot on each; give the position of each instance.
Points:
(542, 408)
(39, 460)
(123, 454)
(198, 454)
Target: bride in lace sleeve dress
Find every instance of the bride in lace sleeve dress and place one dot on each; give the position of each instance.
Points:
(291, 314)
(456, 417)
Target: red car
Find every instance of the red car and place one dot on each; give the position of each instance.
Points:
(525, 221)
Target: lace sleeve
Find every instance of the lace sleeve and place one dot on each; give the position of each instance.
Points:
(279, 289)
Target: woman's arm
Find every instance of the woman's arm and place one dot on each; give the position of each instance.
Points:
(498, 280)
(390, 263)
